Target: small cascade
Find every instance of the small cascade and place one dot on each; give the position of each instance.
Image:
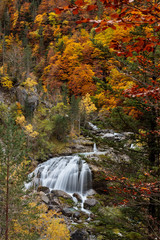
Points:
(94, 127)
(69, 173)
(95, 148)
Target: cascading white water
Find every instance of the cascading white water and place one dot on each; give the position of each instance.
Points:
(69, 173)
(95, 148)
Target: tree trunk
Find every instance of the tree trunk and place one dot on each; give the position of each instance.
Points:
(7, 201)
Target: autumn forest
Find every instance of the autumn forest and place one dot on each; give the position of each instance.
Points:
(74, 73)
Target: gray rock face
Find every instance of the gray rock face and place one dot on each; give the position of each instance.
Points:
(21, 95)
(24, 98)
(81, 144)
(60, 193)
(90, 202)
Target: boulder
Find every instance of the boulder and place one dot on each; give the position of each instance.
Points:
(43, 189)
(79, 235)
(119, 136)
(90, 202)
(109, 136)
(78, 197)
(60, 193)
(91, 192)
(44, 198)
(56, 208)
(71, 212)
(54, 200)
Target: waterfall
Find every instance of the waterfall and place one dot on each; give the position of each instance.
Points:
(95, 148)
(68, 173)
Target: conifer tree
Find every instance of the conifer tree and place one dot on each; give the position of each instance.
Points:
(13, 173)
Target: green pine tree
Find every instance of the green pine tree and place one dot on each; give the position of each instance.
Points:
(13, 173)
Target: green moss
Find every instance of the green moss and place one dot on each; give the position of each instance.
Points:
(134, 236)
(68, 201)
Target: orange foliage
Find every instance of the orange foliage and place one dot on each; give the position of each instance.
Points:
(81, 82)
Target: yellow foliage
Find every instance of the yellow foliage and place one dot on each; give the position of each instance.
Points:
(86, 105)
(65, 22)
(57, 31)
(29, 131)
(119, 81)
(63, 39)
(30, 83)
(9, 39)
(73, 48)
(40, 18)
(52, 18)
(21, 120)
(84, 33)
(102, 98)
(27, 128)
(45, 89)
(15, 18)
(6, 82)
(19, 108)
(54, 228)
(1, 70)
(36, 49)
(105, 37)
(48, 225)
(34, 34)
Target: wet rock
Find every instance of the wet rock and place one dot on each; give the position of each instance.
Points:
(79, 221)
(109, 136)
(70, 212)
(119, 136)
(128, 134)
(90, 202)
(60, 193)
(50, 155)
(43, 189)
(78, 197)
(43, 197)
(54, 200)
(77, 215)
(91, 126)
(79, 235)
